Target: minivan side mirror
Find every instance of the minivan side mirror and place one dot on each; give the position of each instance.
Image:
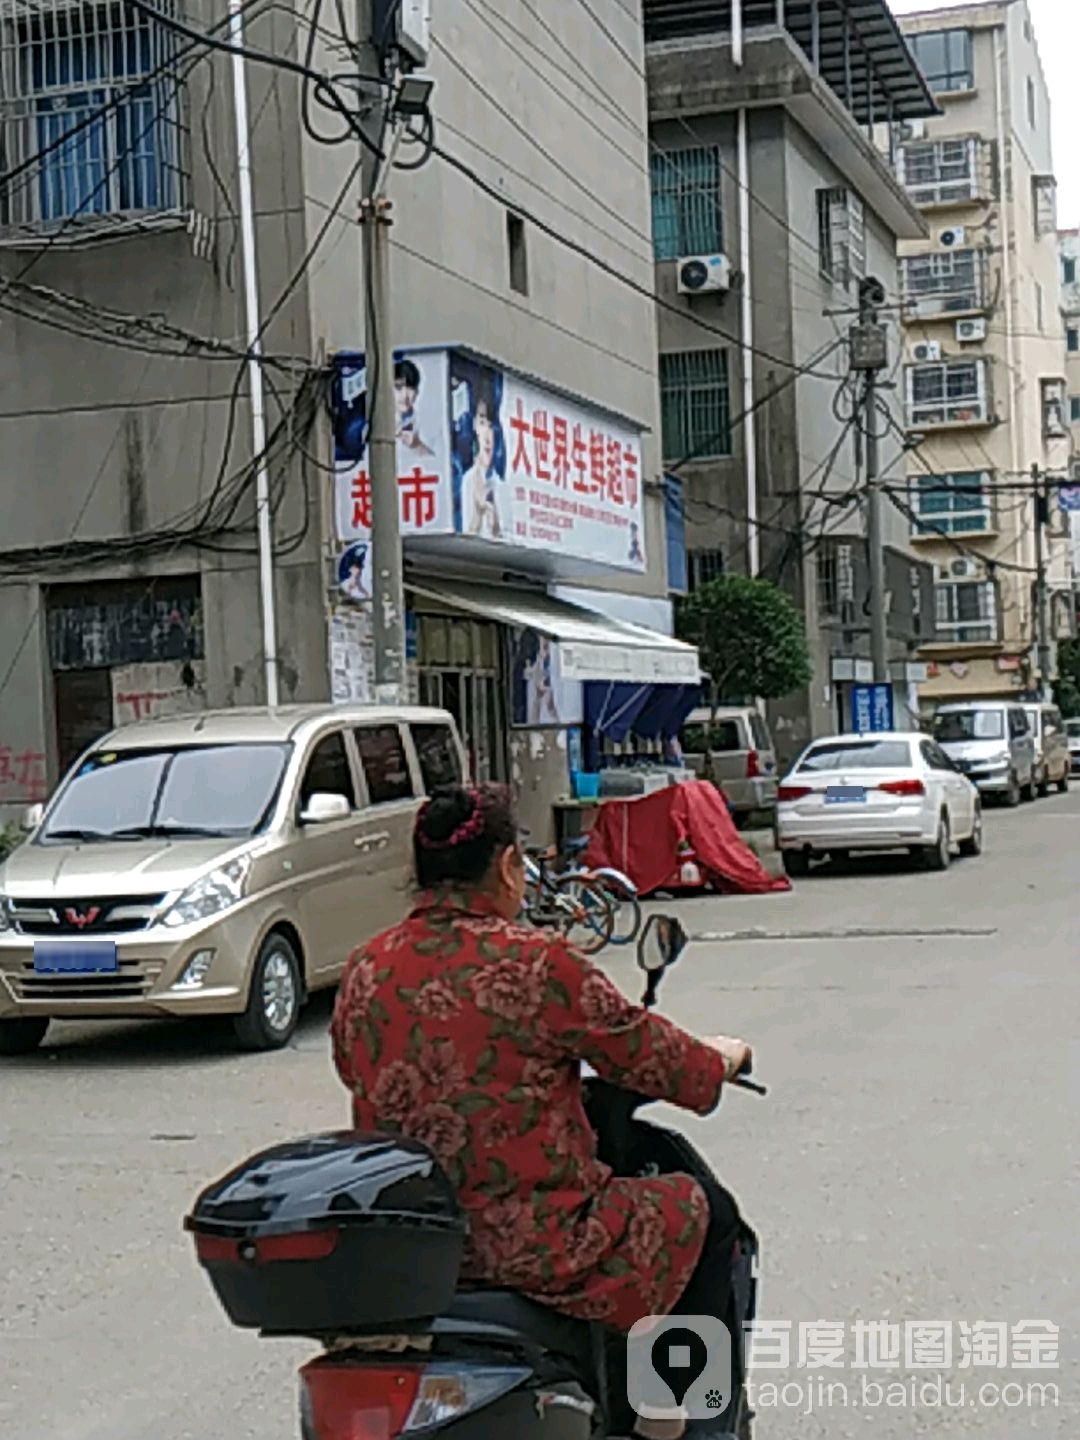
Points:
(322, 808)
(32, 818)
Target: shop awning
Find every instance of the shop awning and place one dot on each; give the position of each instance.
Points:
(591, 646)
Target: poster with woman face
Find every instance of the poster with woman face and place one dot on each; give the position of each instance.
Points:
(478, 451)
(541, 697)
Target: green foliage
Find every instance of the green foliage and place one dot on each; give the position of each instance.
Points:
(10, 837)
(1067, 685)
(750, 636)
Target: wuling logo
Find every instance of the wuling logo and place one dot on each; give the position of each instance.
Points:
(82, 918)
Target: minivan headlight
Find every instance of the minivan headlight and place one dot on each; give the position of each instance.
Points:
(211, 894)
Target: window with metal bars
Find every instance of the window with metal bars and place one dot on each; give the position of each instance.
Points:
(967, 610)
(841, 235)
(91, 94)
(695, 405)
(703, 566)
(941, 172)
(945, 283)
(686, 201)
(947, 392)
(954, 504)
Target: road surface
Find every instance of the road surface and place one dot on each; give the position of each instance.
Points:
(916, 1159)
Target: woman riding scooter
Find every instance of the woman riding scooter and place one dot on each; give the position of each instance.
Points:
(466, 1031)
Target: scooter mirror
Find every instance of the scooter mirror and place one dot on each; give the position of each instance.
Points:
(662, 942)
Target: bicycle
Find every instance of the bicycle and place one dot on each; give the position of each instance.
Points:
(573, 903)
(621, 890)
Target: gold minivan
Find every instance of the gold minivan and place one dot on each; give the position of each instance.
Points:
(223, 863)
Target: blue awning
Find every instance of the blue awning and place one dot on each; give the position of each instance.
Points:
(653, 712)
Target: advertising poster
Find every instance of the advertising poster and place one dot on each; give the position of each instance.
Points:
(540, 695)
(352, 664)
(354, 572)
(423, 459)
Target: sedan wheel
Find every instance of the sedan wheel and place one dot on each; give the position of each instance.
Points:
(797, 863)
(973, 845)
(939, 855)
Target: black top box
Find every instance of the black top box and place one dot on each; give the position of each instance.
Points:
(334, 1234)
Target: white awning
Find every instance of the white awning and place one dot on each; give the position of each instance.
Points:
(591, 647)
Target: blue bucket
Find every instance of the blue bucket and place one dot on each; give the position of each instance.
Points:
(586, 784)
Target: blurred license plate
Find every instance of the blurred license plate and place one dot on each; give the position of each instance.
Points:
(845, 795)
(75, 957)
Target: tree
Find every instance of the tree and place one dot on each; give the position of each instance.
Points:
(1067, 685)
(750, 636)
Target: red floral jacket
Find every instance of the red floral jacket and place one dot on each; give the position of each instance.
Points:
(466, 1032)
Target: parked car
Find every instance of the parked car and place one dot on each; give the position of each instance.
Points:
(224, 863)
(889, 791)
(992, 743)
(1052, 759)
(743, 756)
(1072, 737)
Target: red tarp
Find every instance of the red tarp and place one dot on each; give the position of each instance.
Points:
(641, 837)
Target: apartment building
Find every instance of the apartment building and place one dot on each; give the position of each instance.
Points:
(770, 204)
(1069, 255)
(984, 378)
(521, 274)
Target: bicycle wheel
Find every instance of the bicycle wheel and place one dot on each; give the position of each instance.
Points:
(627, 917)
(589, 914)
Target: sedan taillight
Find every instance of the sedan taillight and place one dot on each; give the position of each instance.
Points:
(903, 787)
(793, 792)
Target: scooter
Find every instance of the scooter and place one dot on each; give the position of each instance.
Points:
(355, 1240)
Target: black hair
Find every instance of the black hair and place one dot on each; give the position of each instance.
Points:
(459, 832)
(407, 373)
(484, 396)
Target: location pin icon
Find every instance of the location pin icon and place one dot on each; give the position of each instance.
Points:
(679, 1357)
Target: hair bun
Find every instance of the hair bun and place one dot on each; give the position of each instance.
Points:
(451, 817)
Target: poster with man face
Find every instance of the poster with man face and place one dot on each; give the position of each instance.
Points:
(541, 697)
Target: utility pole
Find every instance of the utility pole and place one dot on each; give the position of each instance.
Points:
(387, 568)
(869, 356)
(1042, 625)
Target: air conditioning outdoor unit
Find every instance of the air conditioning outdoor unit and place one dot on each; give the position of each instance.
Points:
(700, 274)
(964, 567)
(913, 130)
(969, 331)
(954, 237)
(928, 350)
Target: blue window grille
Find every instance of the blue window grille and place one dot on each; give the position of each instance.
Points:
(94, 92)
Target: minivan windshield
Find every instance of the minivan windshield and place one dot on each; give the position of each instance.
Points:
(1072, 728)
(181, 793)
(953, 725)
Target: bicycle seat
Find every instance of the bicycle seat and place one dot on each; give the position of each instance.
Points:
(576, 845)
(541, 852)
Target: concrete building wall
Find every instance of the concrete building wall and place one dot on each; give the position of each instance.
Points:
(1008, 108)
(104, 442)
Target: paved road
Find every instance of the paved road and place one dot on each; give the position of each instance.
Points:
(916, 1160)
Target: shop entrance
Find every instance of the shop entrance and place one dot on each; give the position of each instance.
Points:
(459, 671)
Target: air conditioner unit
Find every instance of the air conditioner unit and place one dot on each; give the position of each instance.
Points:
(965, 567)
(913, 130)
(700, 274)
(953, 238)
(969, 331)
(928, 350)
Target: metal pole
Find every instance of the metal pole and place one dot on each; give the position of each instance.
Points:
(869, 290)
(387, 569)
(1042, 626)
(749, 429)
(263, 513)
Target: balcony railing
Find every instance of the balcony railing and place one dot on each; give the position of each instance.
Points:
(948, 393)
(945, 172)
(947, 282)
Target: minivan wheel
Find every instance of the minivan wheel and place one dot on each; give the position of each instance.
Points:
(1012, 795)
(1063, 783)
(20, 1037)
(1044, 783)
(273, 1007)
(939, 855)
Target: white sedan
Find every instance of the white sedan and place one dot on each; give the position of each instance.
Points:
(890, 791)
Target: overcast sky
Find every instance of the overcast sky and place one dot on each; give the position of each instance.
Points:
(1057, 28)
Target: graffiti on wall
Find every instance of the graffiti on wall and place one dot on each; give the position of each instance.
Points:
(22, 775)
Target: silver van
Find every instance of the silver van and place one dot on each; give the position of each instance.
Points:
(1052, 759)
(224, 863)
(743, 759)
(991, 742)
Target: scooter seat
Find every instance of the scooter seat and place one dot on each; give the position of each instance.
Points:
(537, 1324)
